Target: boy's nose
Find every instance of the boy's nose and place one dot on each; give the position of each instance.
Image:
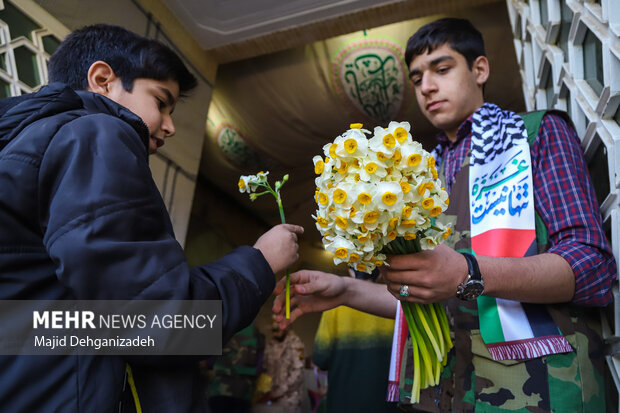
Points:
(168, 126)
(428, 85)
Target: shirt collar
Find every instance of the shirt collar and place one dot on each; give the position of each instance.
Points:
(463, 131)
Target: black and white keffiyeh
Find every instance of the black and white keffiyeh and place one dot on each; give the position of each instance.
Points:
(493, 132)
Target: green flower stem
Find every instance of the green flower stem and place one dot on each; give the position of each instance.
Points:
(429, 332)
(415, 388)
(288, 273)
(445, 326)
(422, 343)
(417, 360)
(438, 333)
(276, 195)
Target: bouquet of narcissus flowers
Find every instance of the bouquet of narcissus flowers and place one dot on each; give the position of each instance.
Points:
(382, 195)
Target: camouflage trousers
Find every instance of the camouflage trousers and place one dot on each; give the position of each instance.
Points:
(473, 381)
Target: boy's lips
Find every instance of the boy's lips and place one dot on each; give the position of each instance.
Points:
(158, 141)
(434, 105)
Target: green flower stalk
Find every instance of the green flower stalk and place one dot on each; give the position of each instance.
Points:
(249, 184)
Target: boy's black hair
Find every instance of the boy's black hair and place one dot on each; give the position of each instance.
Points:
(130, 55)
(459, 34)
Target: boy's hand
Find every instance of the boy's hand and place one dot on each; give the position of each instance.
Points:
(311, 291)
(279, 246)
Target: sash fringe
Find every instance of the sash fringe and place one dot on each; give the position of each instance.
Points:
(529, 348)
(392, 395)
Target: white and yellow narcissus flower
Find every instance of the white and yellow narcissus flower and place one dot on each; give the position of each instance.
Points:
(371, 191)
(249, 183)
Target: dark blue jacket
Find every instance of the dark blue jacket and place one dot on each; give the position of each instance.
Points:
(81, 218)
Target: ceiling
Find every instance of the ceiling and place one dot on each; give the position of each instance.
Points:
(233, 30)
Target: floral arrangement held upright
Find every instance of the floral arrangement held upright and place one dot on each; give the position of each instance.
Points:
(382, 195)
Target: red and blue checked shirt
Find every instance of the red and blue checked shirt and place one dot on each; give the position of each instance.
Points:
(564, 198)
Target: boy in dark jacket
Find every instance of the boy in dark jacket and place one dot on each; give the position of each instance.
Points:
(82, 219)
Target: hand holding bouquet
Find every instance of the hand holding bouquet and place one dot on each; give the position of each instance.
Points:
(383, 195)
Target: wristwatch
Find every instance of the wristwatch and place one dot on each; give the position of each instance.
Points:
(473, 286)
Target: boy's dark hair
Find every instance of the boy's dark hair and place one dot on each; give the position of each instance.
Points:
(459, 34)
(130, 55)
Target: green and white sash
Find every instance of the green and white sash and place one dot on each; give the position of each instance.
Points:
(502, 219)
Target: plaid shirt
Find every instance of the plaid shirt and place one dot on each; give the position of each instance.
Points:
(565, 200)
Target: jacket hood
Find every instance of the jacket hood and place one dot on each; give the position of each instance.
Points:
(16, 113)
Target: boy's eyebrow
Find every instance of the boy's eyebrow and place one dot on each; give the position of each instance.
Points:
(433, 63)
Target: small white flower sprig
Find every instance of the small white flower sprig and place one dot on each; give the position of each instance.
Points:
(249, 184)
(375, 193)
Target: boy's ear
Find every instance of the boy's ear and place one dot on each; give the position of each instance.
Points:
(480, 69)
(100, 76)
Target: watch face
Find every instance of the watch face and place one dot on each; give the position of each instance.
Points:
(472, 290)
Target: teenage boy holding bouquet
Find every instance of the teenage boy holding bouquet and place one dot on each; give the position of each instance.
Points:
(536, 251)
(82, 219)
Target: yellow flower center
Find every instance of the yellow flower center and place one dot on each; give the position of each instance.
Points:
(341, 253)
(362, 238)
(408, 223)
(447, 201)
(361, 267)
(378, 263)
(323, 198)
(353, 257)
(340, 196)
(389, 141)
(428, 203)
(381, 156)
(389, 198)
(342, 222)
(434, 173)
(353, 211)
(392, 235)
(332, 150)
(435, 211)
(393, 222)
(447, 233)
(356, 163)
(363, 228)
(350, 145)
(414, 159)
(431, 162)
(407, 211)
(424, 186)
(371, 167)
(319, 167)
(357, 177)
(343, 168)
(401, 134)
(356, 126)
(405, 187)
(371, 217)
(322, 222)
(364, 198)
(397, 157)
(409, 236)
(241, 184)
